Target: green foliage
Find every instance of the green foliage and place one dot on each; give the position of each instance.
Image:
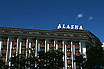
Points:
(3, 64)
(79, 61)
(95, 56)
(51, 59)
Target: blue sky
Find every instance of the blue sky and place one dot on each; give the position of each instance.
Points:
(47, 14)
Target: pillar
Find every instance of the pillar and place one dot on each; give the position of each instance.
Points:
(8, 47)
(65, 56)
(80, 50)
(18, 46)
(0, 46)
(27, 47)
(72, 55)
(45, 45)
(36, 48)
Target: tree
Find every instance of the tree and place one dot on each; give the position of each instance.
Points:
(2, 64)
(21, 61)
(80, 61)
(95, 56)
(52, 59)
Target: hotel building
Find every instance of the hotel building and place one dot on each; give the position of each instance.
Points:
(14, 41)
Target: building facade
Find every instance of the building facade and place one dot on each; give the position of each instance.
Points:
(14, 41)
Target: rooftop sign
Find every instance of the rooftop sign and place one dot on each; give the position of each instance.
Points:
(77, 27)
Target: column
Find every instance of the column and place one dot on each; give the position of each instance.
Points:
(72, 55)
(27, 46)
(20, 47)
(8, 47)
(36, 48)
(0, 46)
(65, 55)
(10, 54)
(83, 49)
(63, 43)
(45, 45)
(80, 50)
(55, 44)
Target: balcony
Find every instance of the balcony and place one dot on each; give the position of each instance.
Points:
(33, 44)
(3, 58)
(33, 51)
(42, 44)
(68, 53)
(51, 44)
(3, 50)
(14, 43)
(60, 45)
(23, 52)
(77, 53)
(68, 46)
(4, 53)
(23, 44)
(13, 51)
(4, 42)
(77, 46)
(69, 61)
(69, 67)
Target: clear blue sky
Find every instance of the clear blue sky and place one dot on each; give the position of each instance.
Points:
(47, 14)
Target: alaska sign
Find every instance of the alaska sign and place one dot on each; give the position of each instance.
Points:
(76, 27)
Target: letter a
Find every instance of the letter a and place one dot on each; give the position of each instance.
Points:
(59, 26)
(80, 28)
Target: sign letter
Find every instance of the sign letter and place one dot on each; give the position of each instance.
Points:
(63, 26)
(59, 26)
(68, 27)
(76, 26)
(80, 28)
(72, 26)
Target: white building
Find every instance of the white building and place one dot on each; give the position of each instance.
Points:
(13, 41)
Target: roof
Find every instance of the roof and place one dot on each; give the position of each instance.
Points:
(55, 33)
